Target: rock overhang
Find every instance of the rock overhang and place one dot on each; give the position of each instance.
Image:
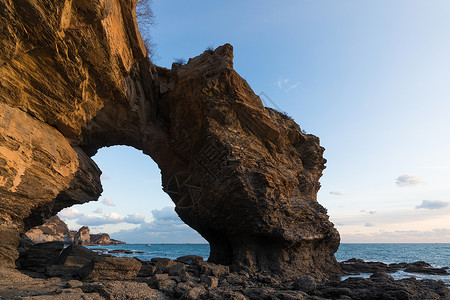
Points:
(242, 175)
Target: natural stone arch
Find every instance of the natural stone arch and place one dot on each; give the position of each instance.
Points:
(244, 176)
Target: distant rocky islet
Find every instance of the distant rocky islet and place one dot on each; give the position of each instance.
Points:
(55, 230)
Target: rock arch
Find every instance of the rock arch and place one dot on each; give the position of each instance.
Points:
(75, 78)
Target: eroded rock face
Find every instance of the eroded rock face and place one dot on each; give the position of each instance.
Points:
(53, 230)
(74, 78)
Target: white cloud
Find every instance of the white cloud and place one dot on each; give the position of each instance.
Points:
(166, 227)
(337, 193)
(94, 220)
(372, 212)
(284, 84)
(108, 202)
(112, 218)
(408, 180)
(369, 225)
(69, 213)
(98, 210)
(167, 213)
(134, 219)
(429, 204)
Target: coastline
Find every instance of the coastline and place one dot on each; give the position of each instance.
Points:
(83, 274)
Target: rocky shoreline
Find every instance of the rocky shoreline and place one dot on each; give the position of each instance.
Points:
(51, 272)
(56, 230)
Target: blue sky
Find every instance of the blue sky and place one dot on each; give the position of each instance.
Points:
(370, 78)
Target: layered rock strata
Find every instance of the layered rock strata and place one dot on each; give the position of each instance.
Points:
(74, 77)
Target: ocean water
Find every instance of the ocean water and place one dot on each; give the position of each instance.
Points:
(438, 255)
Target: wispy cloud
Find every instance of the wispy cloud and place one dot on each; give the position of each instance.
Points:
(372, 212)
(430, 204)
(369, 225)
(400, 236)
(408, 180)
(337, 193)
(108, 202)
(286, 85)
(98, 210)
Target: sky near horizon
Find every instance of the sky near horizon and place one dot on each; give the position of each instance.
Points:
(370, 78)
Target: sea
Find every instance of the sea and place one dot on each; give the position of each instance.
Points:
(438, 255)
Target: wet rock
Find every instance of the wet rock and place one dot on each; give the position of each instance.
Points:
(121, 251)
(305, 284)
(111, 268)
(190, 259)
(76, 255)
(426, 270)
(39, 256)
(178, 269)
(358, 266)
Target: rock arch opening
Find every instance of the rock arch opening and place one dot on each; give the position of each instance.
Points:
(133, 207)
(77, 78)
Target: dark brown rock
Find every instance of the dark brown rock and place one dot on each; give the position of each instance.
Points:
(190, 259)
(63, 271)
(75, 78)
(305, 284)
(39, 256)
(427, 270)
(147, 271)
(111, 268)
(76, 255)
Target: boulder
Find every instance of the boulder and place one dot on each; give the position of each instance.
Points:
(305, 284)
(53, 230)
(162, 264)
(190, 259)
(76, 255)
(39, 256)
(63, 271)
(82, 237)
(111, 268)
